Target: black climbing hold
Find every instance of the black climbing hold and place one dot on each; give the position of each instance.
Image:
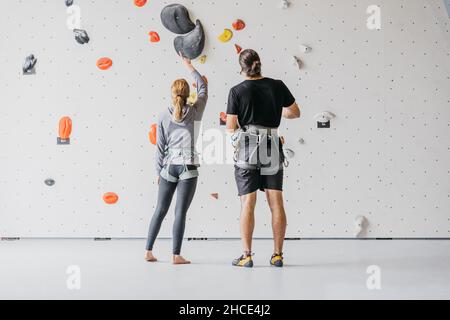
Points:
(81, 36)
(50, 182)
(323, 125)
(175, 17)
(29, 64)
(192, 44)
(69, 3)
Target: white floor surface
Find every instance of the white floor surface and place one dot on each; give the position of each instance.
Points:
(315, 269)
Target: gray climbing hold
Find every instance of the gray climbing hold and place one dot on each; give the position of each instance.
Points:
(69, 3)
(81, 36)
(191, 45)
(175, 17)
(50, 182)
(29, 64)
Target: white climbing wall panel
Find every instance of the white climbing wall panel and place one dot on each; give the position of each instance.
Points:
(385, 157)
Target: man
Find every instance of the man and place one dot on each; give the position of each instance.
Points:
(255, 109)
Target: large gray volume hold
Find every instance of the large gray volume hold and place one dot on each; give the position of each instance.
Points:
(175, 18)
(191, 45)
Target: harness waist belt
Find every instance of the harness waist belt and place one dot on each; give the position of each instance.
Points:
(258, 147)
(188, 172)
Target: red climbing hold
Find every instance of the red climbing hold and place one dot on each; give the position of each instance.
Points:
(152, 133)
(154, 36)
(110, 198)
(140, 3)
(215, 195)
(238, 48)
(65, 128)
(238, 25)
(104, 63)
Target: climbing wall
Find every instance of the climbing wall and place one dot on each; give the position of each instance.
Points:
(383, 163)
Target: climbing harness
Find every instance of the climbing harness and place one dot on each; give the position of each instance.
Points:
(186, 154)
(254, 148)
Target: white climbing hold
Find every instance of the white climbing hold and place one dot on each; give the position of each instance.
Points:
(324, 116)
(285, 4)
(289, 153)
(305, 49)
(297, 62)
(360, 225)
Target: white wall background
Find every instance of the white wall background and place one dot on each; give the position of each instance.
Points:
(387, 155)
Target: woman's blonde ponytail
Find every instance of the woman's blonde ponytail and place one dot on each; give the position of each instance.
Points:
(180, 94)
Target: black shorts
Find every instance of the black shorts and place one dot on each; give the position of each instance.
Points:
(249, 181)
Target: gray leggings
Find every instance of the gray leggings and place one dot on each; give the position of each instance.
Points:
(185, 194)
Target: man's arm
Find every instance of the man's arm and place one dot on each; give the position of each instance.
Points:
(292, 112)
(232, 123)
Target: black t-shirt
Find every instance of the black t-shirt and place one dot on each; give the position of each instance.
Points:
(259, 102)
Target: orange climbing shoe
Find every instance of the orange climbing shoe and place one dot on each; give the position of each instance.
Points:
(277, 260)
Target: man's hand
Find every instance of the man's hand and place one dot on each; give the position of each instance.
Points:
(157, 180)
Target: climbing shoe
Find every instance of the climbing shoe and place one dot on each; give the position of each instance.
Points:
(243, 261)
(277, 260)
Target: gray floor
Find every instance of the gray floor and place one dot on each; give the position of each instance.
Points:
(315, 269)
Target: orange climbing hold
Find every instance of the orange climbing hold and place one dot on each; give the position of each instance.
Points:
(110, 198)
(65, 128)
(104, 63)
(238, 25)
(238, 48)
(154, 36)
(152, 133)
(140, 3)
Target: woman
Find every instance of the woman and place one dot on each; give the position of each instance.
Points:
(177, 163)
(256, 107)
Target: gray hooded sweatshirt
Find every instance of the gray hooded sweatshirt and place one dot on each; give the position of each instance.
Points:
(174, 136)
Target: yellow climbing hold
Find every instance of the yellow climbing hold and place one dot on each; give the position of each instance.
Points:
(202, 59)
(226, 35)
(192, 98)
